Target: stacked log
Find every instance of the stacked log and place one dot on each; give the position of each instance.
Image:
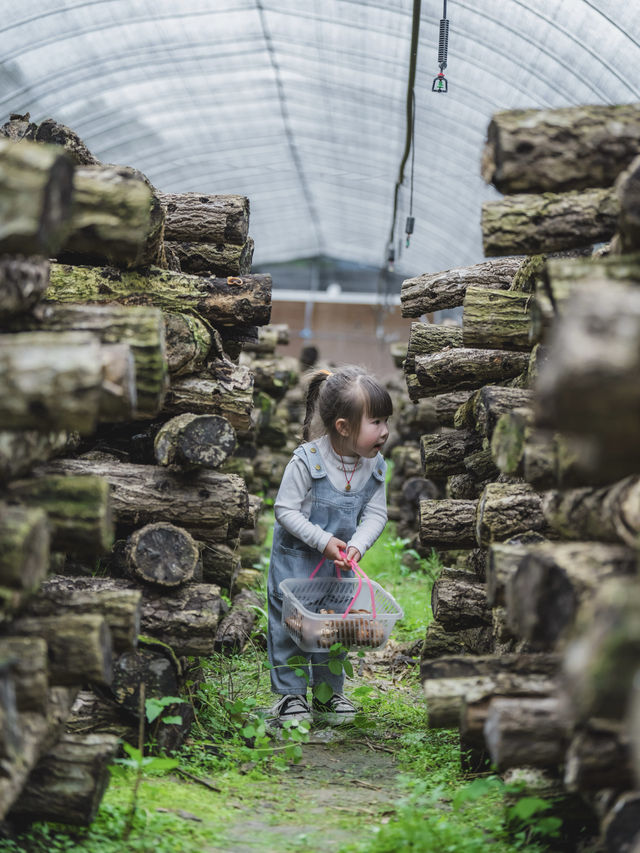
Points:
(556, 516)
(121, 410)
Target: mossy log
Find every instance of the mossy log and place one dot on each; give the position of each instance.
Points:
(464, 368)
(506, 509)
(503, 558)
(481, 466)
(225, 390)
(20, 127)
(530, 224)
(189, 343)
(120, 608)
(465, 666)
(560, 149)
(269, 337)
(235, 628)
(144, 494)
(552, 580)
(29, 671)
(217, 259)
(458, 601)
(201, 218)
(443, 453)
(21, 450)
(445, 696)
(628, 191)
(10, 734)
(223, 302)
(142, 328)
(68, 782)
(116, 219)
(186, 620)
(417, 419)
(601, 659)
(447, 405)
(23, 281)
(463, 487)
(274, 376)
(468, 641)
(162, 554)
(80, 646)
(526, 731)
(50, 381)
(599, 757)
(427, 338)
(448, 522)
(610, 513)
(435, 291)
(593, 366)
(220, 564)
(195, 441)
(24, 546)
(497, 319)
(78, 507)
(36, 191)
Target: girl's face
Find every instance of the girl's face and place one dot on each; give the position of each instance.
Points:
(373, 434)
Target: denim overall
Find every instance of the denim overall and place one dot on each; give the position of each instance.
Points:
(336, 511)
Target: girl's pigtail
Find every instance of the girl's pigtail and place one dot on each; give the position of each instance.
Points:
(313, 389)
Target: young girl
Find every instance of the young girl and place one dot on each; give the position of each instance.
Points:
(331, 501)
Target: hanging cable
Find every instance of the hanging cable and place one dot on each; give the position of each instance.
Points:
(408, 227)
(440, 82)
(413, 61)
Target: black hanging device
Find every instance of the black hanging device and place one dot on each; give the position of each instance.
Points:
(440, 83)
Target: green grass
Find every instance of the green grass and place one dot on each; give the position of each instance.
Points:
(435, 807)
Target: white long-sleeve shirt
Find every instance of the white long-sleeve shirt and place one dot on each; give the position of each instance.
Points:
(293, 501)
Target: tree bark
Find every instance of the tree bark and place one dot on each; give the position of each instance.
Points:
(50, 381)
(141, 328)
(235, 628)
(628, 191)
(506, 509)
(116, 219)
(21, 450)
(23, 282)
(560, 149)
(80, 646)
(199, 218)
(579, 389)
(427, 338)
(602, 658)
(497, 319)
(598, 757)
(620, 827)
(459, 601)
(144, 494)
(195, 441)
(526, 732)
(448, 522)
(213, 259)
(29, 671)
(162, 554)
(610, 514)
(228, 392)
(435, 291)
(481, 466)
(463, 368)
(78, 506)
(493, 401)
(190, 342)
(68, 782)
(151, 665)
(220, 564)
(443, 453)
(530, 224)
(24, 546)
(469, 641)
(551, 581)
(36, 189)
(466, 666)
(223, 302)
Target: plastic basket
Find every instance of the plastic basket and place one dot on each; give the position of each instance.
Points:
(313, 631)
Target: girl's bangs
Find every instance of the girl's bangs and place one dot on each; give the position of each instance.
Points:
(378, 401)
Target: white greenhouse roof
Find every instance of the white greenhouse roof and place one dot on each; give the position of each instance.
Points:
(301, 105)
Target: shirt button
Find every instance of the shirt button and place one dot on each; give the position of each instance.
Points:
(317, 467)
(312, 450)
(379, 470)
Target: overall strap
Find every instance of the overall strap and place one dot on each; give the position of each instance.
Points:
(311, 456)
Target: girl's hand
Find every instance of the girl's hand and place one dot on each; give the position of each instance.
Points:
(353, 555)
(333, 548)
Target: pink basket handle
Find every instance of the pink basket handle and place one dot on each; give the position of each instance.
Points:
(360, 574)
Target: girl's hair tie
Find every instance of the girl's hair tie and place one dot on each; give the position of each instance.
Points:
(328, 372)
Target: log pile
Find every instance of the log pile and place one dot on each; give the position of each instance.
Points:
(543, 471)
(124, 404)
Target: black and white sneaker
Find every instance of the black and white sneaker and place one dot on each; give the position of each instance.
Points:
(334, 711)
(291, 707)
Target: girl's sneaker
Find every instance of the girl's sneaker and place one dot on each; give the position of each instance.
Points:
(335, 711)
(291, 707)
